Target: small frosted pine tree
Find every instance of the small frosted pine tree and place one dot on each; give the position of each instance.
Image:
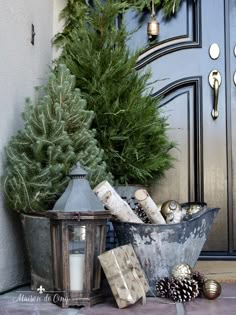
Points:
(56, 135)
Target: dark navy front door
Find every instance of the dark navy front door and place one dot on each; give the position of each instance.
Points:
(181, 63)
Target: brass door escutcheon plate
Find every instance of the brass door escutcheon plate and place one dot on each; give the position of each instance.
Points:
(214, 75)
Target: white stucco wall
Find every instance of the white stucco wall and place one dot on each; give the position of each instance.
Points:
(22, 67)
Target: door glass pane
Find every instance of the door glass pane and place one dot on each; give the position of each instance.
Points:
(57, 257)
(96, 264)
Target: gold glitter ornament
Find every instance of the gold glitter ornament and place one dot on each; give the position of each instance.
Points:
(181, 271)
(211, 289)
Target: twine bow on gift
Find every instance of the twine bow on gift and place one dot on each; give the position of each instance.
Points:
(136, 277)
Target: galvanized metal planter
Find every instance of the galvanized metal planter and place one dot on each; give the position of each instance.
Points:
(38, 243)
(160, 247)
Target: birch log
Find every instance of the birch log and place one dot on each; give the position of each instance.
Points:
(118, 207)
(149, 206)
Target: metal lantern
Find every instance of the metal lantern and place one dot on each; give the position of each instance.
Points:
(78, 232)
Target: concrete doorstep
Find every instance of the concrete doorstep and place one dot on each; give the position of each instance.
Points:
(222, 271)
(13, 303)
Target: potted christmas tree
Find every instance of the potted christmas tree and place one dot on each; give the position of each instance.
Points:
(56, 135)
(130, 126)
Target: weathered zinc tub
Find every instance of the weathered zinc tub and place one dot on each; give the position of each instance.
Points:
(160, 247)
(38, 243)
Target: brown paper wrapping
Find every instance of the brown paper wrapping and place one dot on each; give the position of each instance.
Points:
(125, 275)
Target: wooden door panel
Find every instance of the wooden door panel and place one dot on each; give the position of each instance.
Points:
(215, 166)
(179, 183)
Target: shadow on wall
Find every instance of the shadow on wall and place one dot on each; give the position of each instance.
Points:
(14, 266)
(23, 66)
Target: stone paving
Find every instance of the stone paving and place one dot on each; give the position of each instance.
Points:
(24, 302)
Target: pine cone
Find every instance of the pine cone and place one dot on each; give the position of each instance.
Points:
(139, 211)
(183, 290)
(200, 278)
(163, 287)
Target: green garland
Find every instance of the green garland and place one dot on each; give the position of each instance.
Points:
(76, 9)
(170, 7)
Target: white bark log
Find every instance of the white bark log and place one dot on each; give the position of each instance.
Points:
(118, 207)
(149, 206)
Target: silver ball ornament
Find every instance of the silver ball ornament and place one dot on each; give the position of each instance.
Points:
(171, 210)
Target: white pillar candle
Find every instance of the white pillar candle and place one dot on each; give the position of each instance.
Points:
(76, 272)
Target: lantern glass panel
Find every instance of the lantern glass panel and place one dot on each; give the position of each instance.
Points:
(77, 243)
(96, 264)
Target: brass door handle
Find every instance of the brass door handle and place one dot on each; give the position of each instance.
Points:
(215, 82)
(214, 112)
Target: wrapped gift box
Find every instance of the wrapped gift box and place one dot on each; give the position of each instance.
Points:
(124, 274)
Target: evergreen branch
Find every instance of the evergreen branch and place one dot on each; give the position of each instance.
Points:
(42, 118)
(12, 157)
(35, 123)
(25, 189)
(39, 185)
(48, 111)
(5, 187)
(26, 159)
(117, 113)
(36, 196)
(29, 137)
(43, 140)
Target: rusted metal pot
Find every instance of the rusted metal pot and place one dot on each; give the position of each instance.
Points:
(160, 247)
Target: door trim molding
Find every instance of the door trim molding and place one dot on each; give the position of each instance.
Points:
(196, 83)
(193, 38)
(228, 83)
